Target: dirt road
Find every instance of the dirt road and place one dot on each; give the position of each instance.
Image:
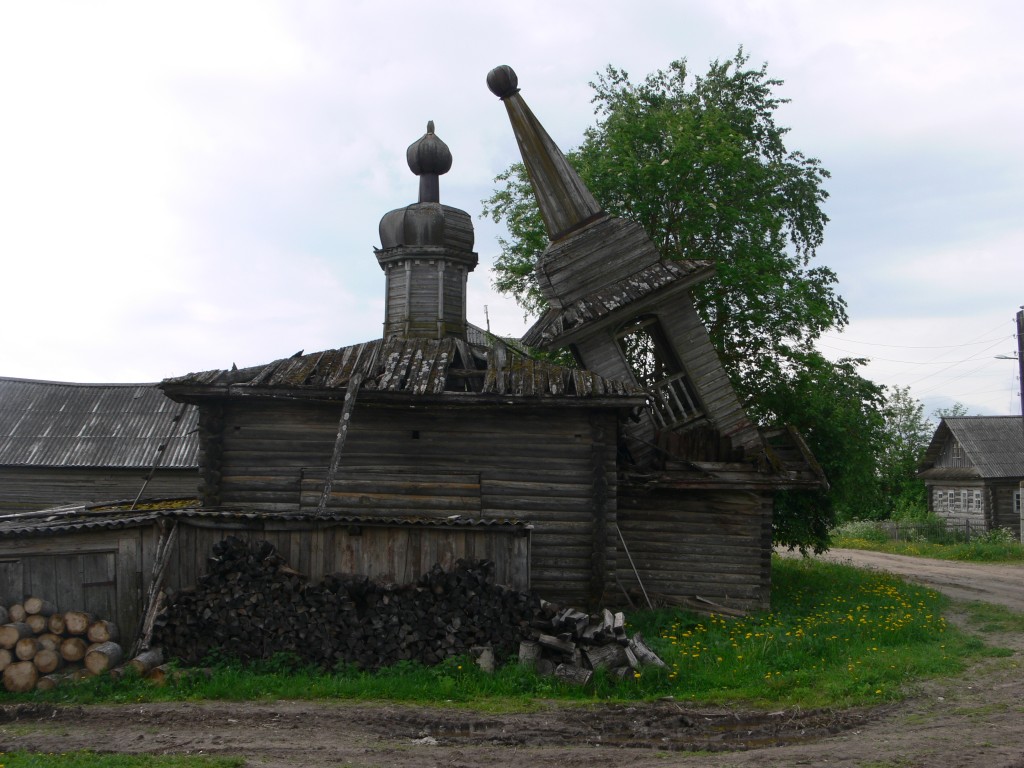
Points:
(991, 583)
(973, 721)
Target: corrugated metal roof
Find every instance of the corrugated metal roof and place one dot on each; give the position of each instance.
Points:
(60, 424)
(993, 445)
(417, 367)
(555, 322)
(93, 517)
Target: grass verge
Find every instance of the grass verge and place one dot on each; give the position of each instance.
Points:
(837, 636)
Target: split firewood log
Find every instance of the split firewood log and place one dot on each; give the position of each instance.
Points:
(6, 657)
(103, 657)
(3, 614)
(573, 674)
(16, 613)
(73, 649)
(36, 622)
(643, 652)
(26, 648)
(11, 633)
(48, 660)
(77, 622)
(39, 607)
(20, 677)
(55, 623)
(102, 631)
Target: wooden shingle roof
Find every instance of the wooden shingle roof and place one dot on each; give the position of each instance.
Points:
(60, 424)
(417, 367)
(556, 322)
(993, 445)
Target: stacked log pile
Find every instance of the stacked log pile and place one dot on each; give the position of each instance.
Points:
(40, 647)
(251, 605)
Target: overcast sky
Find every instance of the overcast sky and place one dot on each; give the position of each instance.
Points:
(187, 185)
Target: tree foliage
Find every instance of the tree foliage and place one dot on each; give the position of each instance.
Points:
(905, 440)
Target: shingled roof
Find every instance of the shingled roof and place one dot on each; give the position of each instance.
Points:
(59, 424)
(993, 445)
(417, 367)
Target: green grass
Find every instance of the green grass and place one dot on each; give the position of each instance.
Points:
(996, 546)
(974, 551)
(838, 636)
(98, 760)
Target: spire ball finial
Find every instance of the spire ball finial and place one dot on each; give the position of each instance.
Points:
(503, 81)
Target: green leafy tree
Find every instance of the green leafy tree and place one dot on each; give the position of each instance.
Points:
(906, 436)
(839, 414)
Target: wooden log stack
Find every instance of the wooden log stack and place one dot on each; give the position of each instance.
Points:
(40, 646)
(251, 605)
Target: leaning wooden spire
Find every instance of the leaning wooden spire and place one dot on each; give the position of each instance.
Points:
(565, 202)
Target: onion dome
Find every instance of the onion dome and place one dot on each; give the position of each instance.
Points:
(427, 222)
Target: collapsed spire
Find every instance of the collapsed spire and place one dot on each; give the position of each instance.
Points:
(564, 200)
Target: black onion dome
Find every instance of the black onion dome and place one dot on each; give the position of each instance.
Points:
(427, 222)
(429, 155)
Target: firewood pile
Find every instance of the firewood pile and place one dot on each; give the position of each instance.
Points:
(41, 647)
(251, 605)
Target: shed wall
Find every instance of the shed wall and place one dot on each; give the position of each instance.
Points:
(712, 544)
(553, 467)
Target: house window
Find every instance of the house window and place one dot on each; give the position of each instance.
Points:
(968, 500)
(940, 500)
(955, 451)
(673, 399)
(1016, 502)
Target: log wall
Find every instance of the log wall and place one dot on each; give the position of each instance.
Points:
(26, 489)
(552, 467)
(710, 544)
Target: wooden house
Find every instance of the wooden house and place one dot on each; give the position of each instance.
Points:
(973, 469)
(66, 443)
(636, 470)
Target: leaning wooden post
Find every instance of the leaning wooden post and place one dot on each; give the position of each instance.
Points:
(633, 566)
(339, 441)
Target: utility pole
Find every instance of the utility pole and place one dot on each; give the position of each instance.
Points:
(1020, 383)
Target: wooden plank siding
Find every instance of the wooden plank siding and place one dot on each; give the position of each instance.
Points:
(711, 544)
(104, 572)
(555, 468)
(397, 554)
(26, 489)
(689, 338)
